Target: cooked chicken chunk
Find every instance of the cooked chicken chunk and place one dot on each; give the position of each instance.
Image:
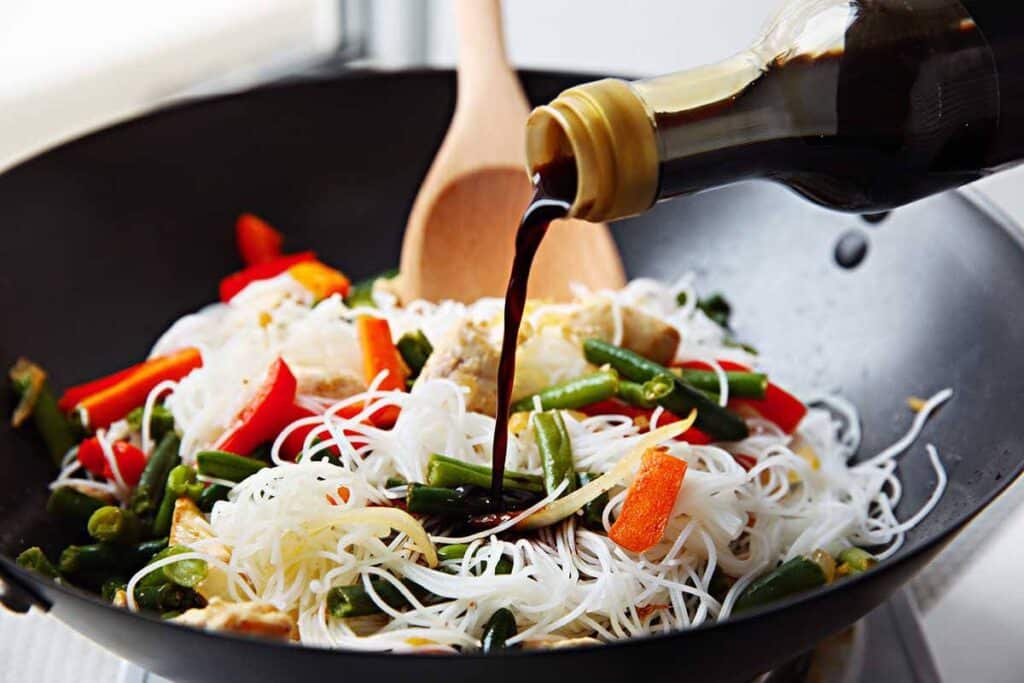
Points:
(188, 528)
(641, 333)
(468, 357)
(249, 618)
(337, 387)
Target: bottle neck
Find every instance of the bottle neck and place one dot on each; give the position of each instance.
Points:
(860, 105)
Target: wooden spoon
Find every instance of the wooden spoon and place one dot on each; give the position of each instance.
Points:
(460, 237)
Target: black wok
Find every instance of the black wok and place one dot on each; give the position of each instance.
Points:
(110, 238)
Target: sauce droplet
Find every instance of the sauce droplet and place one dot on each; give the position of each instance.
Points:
(875, 218)
(851, 249)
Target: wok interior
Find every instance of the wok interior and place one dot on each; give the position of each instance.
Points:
(111, 238)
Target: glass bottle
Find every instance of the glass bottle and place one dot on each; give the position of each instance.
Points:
(859, 105)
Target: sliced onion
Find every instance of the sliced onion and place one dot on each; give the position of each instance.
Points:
(563, 507)
(396, 519)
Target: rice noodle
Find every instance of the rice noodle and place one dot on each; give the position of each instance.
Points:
(565, 580)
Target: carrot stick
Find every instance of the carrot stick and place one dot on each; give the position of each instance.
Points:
(649, 501)
(117, 400)
(380, 353)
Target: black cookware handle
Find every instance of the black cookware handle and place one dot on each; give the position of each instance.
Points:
(16, 594)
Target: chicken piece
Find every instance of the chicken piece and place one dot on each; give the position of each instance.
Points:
(248, 618)
(188, 528)
(641, 333)
(336, 387)
(468, 358)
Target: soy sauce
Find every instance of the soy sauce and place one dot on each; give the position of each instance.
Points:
(554, 188)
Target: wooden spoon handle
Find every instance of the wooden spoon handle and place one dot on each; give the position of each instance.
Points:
(481, 43)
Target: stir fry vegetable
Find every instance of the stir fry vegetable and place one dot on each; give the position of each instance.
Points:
(37, 401)
(265, 415)
(575, 393)
(555, 448)
(649, 501)
(258, 242)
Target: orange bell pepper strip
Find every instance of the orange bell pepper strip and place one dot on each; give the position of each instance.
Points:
(379, 354)
(269, 411)
(117, 400)
(257, 241)
(649, 501)
(322, 280)
(778, 405)
(236, 282)
(74, 395)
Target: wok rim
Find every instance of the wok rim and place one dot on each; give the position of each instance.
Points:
(37, 585)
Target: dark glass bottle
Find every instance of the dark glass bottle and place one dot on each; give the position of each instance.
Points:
(860, 105)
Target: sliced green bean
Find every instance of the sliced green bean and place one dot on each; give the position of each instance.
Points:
(72, 504)
(854, 561)
(161, 421)
(35, 559)
(354, 601)
(741, 384)
(185, 573)
(181, 481)
(448, 473)
(497, 631)
(167, 597)
(223, 465)
(111, 524)
(146, 497)
(573, 394)
(415, 349)
(711, 418)
(29, 382)
(463, 501)
(633, 394)
(795, 576)
(457, 551)
(211, 495)
(593, 512)
(555, 448)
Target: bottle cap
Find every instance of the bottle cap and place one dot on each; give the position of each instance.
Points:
(606, 131)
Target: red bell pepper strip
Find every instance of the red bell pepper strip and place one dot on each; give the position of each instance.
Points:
(649, 501)
(236, 282)
(75, 394)
(692, 435)
(130, 460)
(257, 241)
(118, 399)
(778, 405)
(266, 415)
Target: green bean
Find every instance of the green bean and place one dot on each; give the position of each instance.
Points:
(35, 559)
(498, 629)
(111, 587)
(795, 576)
(555, 448)
(361, 293)
(72, 504)
(181, 481)
(184, 573)
(354, 601)
(463, 501)
(140, 554)
(854, 561)
(212, 494)
(395, 482)
(29, 382)
(108, 557)
(167, 597)
(575, 393)
(223, 465)
(111, 524)
(657, 388)
(711, 418)
(633, 394)
(457, 551)
(716, 307)
(161, 421)
(448, 472)
(593, 512)
(741, 384)
(415, 349)
(146, 497)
